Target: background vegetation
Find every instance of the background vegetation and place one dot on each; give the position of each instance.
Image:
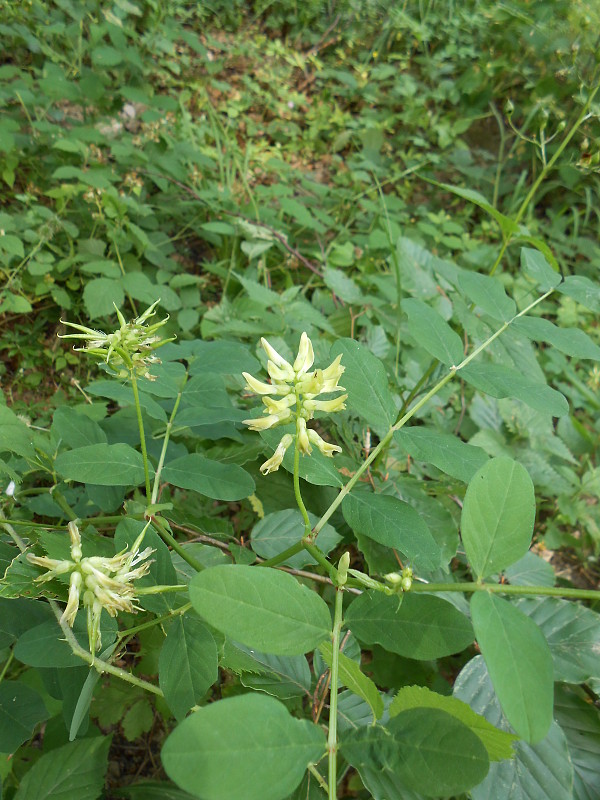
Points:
(267, 168)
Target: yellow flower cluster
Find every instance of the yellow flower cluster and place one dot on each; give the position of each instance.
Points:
(297, 387)
(99, 581)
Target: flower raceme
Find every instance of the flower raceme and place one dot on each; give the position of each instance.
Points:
(98, 581)
(297, 388)
(129, 349)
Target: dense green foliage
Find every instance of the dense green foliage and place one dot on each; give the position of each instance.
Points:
(415, 186)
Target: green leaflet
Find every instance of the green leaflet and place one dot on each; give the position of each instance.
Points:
(497, 516)
(431, 751)
(366, 383)
(261, 608)
(416, 626)
(519, 662)
(394, 524)
(208, 477)
(498, 743)
(248, 746)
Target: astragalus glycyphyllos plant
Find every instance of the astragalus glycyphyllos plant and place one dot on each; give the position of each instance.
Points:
(283, 726)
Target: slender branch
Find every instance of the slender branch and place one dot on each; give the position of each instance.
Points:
(503, 588)
(61, 501)
(174, 544)
(319, 778)
(412, 411)
(163, 452)
(138, 411)
(97, 663)
(281, 557)
(297, 491)
(333, 694)
(151, 623)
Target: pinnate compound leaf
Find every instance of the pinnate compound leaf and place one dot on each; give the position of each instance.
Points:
(72, 772)
(395, 524)
(262, 608)
(366, 383)
(497, 743)
(432, 332)
(21, 708)
(497, 516)
(208, 477)
(519, 663)
(500, 381)
(188, 664)
(416, 626)
(432, 752)
(448, 453)
(248, 746)
(536, 771)
(102, 464)
(352, 678)
(573, 635)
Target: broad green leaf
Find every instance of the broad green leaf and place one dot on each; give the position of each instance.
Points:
(244, 747)
(262, 608)
(448, 453)
(169, 380)
(580, 722)
(497, 743)
(501, 381)
(210, 478)
(583, 290)
(75, 771)
(188, 664)
(351, 676)
(497, 516)
(16, 437)
(153, 790)
(102, 464)
(206, 390)
(18, 615)
(418, 626)
(432, 752)
(431, 332)
(21, 708)
(280, 676)
(138, 719)
(18, 580)
(228, 358)
(543, 770)
(487, 293)
(275, 532)
(99, 294)
(123, 395)
(507, 225)
(571, 341)
(536, 267)
(519, 662)
(572, 632)
(394, 524)
(76, 430)
(366, 383)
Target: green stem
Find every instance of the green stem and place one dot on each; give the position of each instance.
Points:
(333, 694)
(163, 452)
(61, 501)
(174, 544)
(299, 501)
(320, 558)
(97, 663)
(151, 623)
(138, 411)
(502, 588)
(411, 412)
(12, 533)
(7, 664)
(318, 777)
(281, 557)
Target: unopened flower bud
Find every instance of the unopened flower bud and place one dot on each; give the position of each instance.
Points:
(305, 358)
